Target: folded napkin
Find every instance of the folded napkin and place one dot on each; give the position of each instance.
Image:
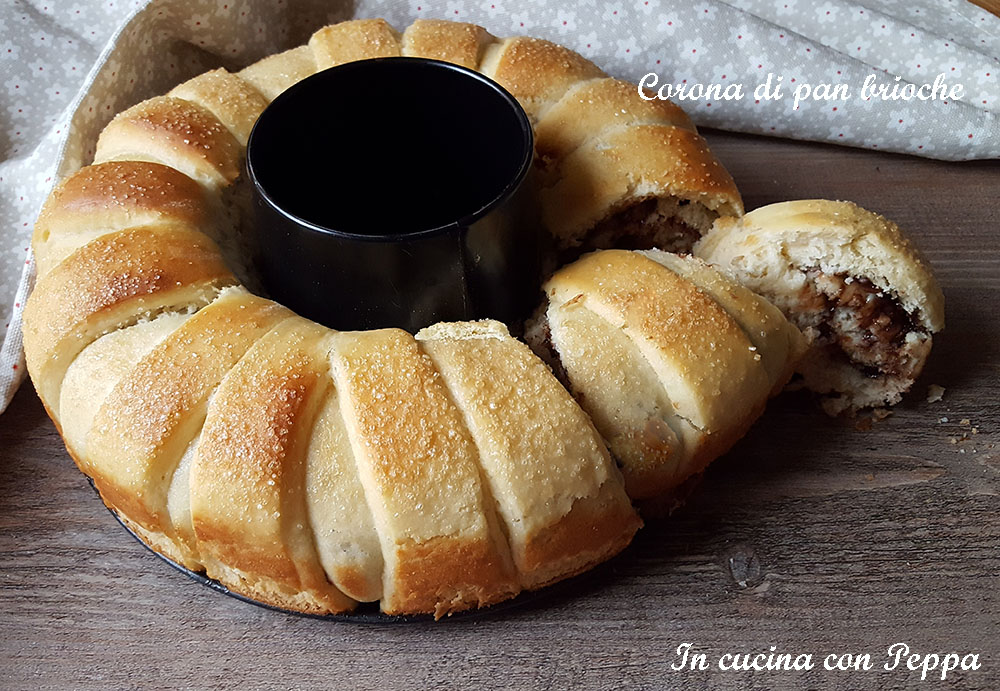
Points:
(68, 67)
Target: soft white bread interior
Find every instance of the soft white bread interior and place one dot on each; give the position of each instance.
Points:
(346, 540)
(853, 283)
(670, 377)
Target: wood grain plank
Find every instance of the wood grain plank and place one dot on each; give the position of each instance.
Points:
(988, 5)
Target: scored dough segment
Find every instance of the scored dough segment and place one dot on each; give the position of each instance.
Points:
(111, 282)
(148, 420)
(440, 536)
(276, 73)
(248, 476)
(177, 133)
(672, 360)
(550, 476)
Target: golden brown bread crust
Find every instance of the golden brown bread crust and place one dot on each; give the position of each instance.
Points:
(555, 487)
(444, 575)
(112, 196)
(778, 343)
(653, 330)
(233, 101)
(443, 546)
(357, 39)
(462, 44)
(595, 529)
(248, 478)
(177, 133)
(275, 73)
(536, 72)
(109, 283)
(626, 165)
(148, 420)
(592, 106)
(160, 543)
(675, 325)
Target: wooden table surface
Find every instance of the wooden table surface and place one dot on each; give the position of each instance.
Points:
(814, 535)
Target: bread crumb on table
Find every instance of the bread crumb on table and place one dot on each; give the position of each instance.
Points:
(935, 393)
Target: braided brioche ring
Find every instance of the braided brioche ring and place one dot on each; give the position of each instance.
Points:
(312, 469)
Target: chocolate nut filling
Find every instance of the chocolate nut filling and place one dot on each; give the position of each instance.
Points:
(669, 224)
(853, 316)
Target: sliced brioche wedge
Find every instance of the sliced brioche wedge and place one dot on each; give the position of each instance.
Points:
(776, 341)
(623, 395)
(593, 106)
(442, 542)
(148, 421)
(113, 196)
(177, 133)
(670, 378)
(556, 489)
(356, 39)
(98, 369)
(640, 187)
(536, 72)
(275, 73)
(233, 101)
(851, 280)
(111, 282)
(248, 479)
(455, 42)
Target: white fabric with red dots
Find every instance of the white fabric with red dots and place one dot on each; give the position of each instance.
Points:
(66, 67)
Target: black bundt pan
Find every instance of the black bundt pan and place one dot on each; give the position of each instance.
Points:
(391, 193)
